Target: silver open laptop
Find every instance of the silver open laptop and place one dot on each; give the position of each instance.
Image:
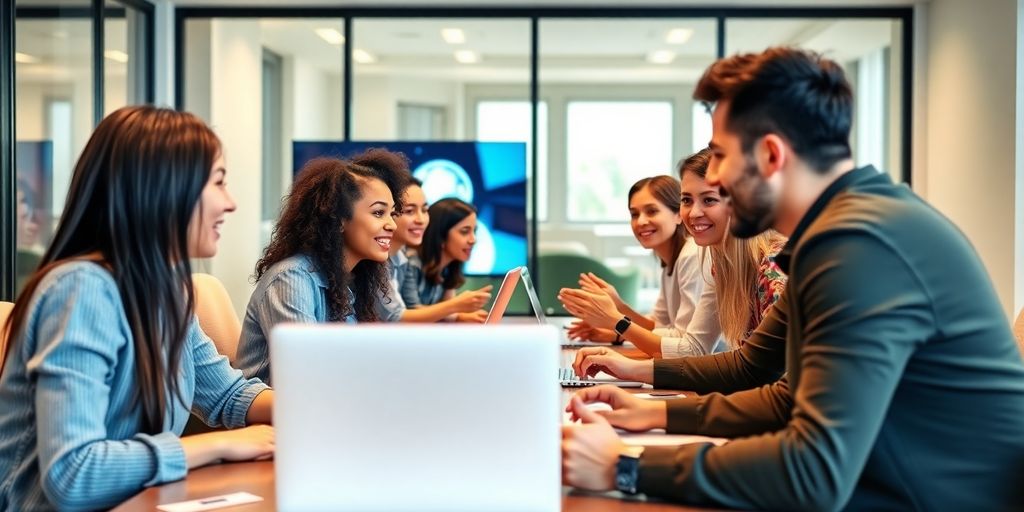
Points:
(410, 417)
(566, 376)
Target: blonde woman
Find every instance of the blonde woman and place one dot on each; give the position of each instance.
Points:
(743, 285)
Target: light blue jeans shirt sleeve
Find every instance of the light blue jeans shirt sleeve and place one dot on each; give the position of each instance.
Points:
(291, 291)
(69, 419)
(223, 396)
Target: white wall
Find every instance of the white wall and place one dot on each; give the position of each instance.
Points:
(376, 99)
(317, 102)
(235, 114)
(970, 77)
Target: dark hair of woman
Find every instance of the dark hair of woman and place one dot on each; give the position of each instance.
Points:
(666, 190)
(133, 193)
(444, 215)
(321, 200)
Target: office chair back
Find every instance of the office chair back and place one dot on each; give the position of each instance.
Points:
(1018, 330)
(5, 311)
(217, 314)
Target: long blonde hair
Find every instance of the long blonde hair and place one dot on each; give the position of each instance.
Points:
(736, 265)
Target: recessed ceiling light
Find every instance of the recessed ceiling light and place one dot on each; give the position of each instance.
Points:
(453, 35)
(116, 56)
(467, 56)
(363, 56)
(330, 35)
(24, 58)
(678, 35)
(661, 57)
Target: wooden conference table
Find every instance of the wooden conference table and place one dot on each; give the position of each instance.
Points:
(258, 478)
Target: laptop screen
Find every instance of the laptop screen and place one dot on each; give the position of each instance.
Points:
(532, 294)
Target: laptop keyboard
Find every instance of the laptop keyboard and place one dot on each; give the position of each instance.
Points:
(568, 378)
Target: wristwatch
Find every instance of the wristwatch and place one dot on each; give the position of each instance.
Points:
(622, 325)
(627, 470)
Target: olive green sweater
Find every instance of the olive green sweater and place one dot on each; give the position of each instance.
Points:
(904, 388)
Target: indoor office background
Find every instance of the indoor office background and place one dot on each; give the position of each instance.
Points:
(612, 89)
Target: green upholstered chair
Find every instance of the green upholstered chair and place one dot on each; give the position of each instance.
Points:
(519, 304)
(562, 270)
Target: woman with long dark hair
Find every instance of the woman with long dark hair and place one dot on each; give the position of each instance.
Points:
(327, 258)
(106, 358)
(657, 224)
(435, 269)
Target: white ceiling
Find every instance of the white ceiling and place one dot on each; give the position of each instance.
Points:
(585, 50)
(572, 50)
(535, 3)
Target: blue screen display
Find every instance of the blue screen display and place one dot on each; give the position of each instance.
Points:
(489, 175)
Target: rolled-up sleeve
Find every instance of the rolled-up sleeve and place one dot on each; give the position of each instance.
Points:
(760, 360)
(223, 395)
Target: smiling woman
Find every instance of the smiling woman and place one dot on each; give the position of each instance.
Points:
(435, 269)
(656, 221)
(106, 357)
(309, 273)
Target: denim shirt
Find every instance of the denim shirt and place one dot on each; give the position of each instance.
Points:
(416, 291)
(391, 308)
(69, 418)
(292, 290)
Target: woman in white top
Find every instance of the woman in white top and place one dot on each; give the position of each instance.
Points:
(657, 225)
(745, 282)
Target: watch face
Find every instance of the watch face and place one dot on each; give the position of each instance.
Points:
(621, 326)
(622, 481)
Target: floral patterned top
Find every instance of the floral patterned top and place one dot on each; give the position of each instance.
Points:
(770, 284)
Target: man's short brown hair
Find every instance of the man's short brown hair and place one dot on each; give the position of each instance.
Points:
(797, 94)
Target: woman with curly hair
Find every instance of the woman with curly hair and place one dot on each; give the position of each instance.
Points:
(411, 223)
(327, 258)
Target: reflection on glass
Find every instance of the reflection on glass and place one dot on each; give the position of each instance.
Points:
(869, 51)
(54, 115)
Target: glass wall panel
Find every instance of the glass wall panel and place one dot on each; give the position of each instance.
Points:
(418, 80)
(870, 52)
(618, 95)
(54, 116)
(262, 83)
(124, 55)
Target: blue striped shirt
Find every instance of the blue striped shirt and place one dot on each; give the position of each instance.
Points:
(416, 290)
(69, 423)
(292, 290)
(391, 308)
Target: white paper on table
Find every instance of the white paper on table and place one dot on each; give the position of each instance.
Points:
(658, 437)
(656, 395)
(211, 503)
